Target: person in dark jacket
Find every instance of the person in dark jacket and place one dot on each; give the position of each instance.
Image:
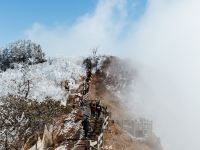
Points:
(85, 124)
(98, 109)
(94, 109)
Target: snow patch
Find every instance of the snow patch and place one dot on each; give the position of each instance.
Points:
(44, 79)
(61, 148)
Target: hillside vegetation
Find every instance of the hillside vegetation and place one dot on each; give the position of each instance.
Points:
(44, 100)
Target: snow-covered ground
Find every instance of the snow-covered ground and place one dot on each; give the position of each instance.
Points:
(44, 78)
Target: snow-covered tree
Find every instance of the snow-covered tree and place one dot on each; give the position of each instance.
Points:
(22, 51)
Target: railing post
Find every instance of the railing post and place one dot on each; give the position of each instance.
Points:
(90, 145)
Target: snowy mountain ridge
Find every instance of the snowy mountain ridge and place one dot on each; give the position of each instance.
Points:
(43, 104)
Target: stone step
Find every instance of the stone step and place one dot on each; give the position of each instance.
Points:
(98, 129)
(93, 135)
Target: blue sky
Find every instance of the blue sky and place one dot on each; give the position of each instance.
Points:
(19, 15)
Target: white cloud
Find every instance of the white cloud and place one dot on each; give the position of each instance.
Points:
(165, 45)
(99, 29)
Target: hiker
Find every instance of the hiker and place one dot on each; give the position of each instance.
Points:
(93, 109)
(98, 109)
(86, 111)
(85, 124)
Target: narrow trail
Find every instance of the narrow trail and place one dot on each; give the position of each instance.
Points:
(90, 93)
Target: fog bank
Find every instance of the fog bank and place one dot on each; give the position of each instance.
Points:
(166, 49)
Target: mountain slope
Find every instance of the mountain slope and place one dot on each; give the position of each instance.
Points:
(109, 82)
(33, 96)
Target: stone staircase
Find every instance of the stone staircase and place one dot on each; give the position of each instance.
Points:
(96, 128)
(95, 125)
